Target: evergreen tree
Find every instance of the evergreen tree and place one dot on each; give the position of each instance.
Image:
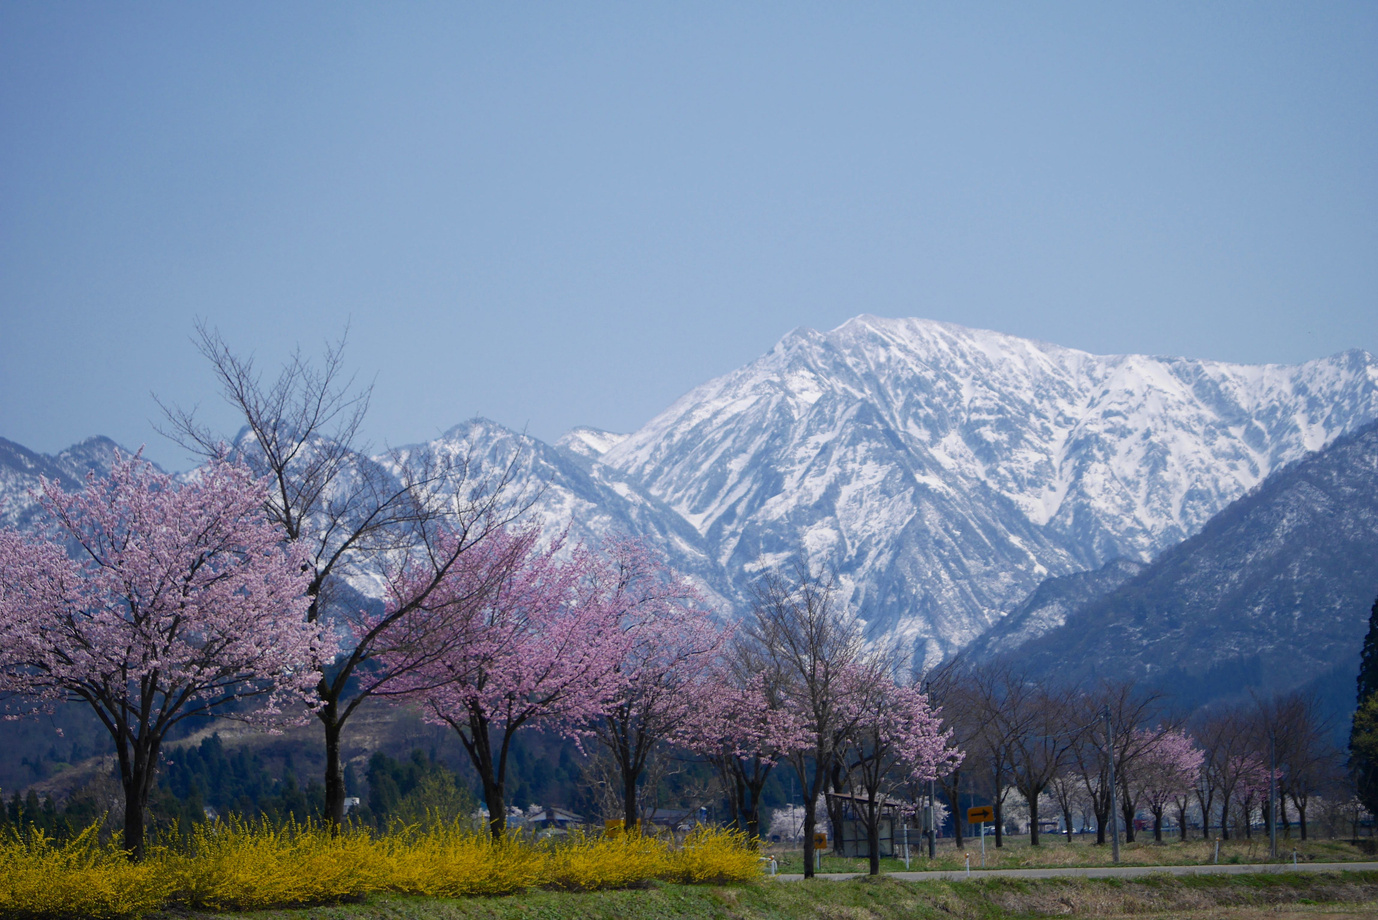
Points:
(1363, 735)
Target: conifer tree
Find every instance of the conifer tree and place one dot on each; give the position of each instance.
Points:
(1363, 735)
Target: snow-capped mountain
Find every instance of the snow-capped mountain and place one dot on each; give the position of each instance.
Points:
(566, 492)
(945, 472)
(1273, 594)
(21, 470)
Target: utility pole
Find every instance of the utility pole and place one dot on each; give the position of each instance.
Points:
(1114, 796)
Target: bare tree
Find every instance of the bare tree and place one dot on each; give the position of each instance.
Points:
(950, 688)
(1228, 738)
(991, 741)
(303, 433)
(1305, 756)
(813, 645)
(1128, 710)
(1041, 730)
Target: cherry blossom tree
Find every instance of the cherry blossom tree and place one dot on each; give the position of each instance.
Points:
(812, 643)
(177, 601)
(745, 727)
(349, 514)
(513, 636)
(1166, 774)
(665, 678)
(896, 737)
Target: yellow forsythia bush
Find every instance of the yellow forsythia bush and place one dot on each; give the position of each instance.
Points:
(450, 861)
(713, 855)
(585, 863)
(239, 865)
(80, 878)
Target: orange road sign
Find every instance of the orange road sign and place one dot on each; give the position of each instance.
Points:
(820, 841)
(983, 815)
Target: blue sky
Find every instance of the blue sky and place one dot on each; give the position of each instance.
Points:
(563, 214)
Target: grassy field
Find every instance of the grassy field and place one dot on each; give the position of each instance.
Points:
(1082, 851)
(1253, 897)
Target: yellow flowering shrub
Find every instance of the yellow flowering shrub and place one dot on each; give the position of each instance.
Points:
(80, 878)
(712, 855)
(585, 863)
(450, 861)
(237, 865)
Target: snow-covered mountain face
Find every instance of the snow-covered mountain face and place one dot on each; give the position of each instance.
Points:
(568, 494)
(944, 472)
(21, 472)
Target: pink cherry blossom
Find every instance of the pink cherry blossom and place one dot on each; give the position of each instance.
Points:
(175, 601)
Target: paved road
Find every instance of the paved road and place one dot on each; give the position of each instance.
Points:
(1105, 871)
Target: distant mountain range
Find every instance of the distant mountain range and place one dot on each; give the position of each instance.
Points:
(970, 489)
(1272, 595)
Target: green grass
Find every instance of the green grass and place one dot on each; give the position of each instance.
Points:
(882, 899)
(1082, 851)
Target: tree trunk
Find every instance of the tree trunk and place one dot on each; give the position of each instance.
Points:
(753, 810)
(630, 816)
(1157, 825)
(1225, 819)
(494, 796)
(954, 798)
(137, 768)
(810, 827)
(334, 766)
(135, 802)
(1102, 819)
(873, 839)
(1067, 822)
(999, 814)
(1033, 819)
(1127, 811)
(1301, 819)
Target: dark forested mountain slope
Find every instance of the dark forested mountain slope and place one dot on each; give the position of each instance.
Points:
(1273, 594)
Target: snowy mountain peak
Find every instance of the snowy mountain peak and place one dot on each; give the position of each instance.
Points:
(590, 443)
(908, 445)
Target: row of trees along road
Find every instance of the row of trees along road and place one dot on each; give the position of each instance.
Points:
(1062, 743)
(175, 600)
(187, 598)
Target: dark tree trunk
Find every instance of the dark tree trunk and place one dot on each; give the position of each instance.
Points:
(999, 810)
(810, 828)
(629, 807)
(1225, 819)
(334, 766)
(873, 839)
(954, 798)
(1157, 825)
(1205, 803)
(753, 810)
(494, 796)
(492, 772)
(1127, 813)
(1033, 819)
